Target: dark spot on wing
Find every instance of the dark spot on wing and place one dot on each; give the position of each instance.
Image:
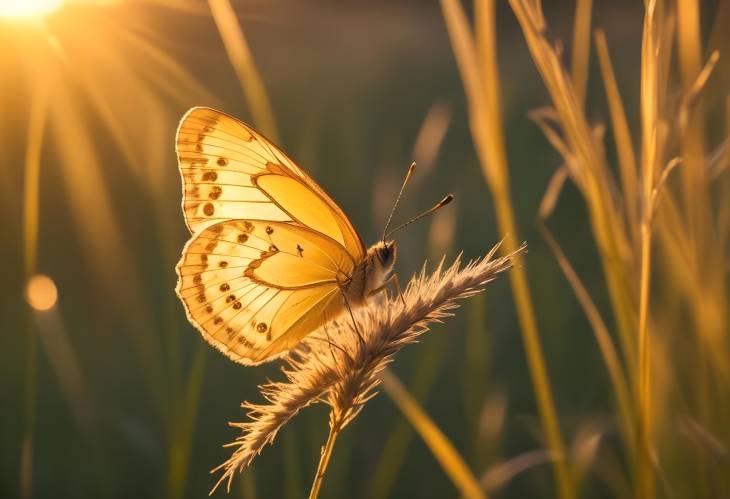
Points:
(243, 341)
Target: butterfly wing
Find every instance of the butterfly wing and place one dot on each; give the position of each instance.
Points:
(255, 288)
(230, 171)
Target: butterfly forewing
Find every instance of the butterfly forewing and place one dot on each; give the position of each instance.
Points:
(230, 171)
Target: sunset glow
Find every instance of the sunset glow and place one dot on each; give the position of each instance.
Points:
(28, 8)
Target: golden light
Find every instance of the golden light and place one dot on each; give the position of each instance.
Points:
(41, 292)
(28, 8)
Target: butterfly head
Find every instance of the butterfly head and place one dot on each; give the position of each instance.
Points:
(386, 254)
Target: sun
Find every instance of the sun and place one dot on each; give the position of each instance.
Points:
(19, 9)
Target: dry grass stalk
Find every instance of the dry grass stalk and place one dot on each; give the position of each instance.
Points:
(581, 48)
(627, 217)
(651, 72)
(584, 158)
(476, 57)
(341, 367)
(622, 135)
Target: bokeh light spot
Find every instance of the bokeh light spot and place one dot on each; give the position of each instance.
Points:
(41, 292)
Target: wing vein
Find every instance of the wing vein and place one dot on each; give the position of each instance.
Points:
(253, 315)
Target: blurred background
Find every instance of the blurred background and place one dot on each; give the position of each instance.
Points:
(107, 391)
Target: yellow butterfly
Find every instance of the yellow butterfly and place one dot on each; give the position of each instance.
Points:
(272, 257)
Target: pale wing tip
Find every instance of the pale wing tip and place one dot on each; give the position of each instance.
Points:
(197, 109)
(207, 109)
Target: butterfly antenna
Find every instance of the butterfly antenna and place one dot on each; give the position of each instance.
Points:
(397, 200)
(446, 200)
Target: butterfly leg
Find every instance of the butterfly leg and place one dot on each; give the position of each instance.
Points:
(393, 279)
(332, 344)
(354, 324)
(329, 342)
(396, 283)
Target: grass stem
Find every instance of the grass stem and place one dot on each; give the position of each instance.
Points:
(650, 74)
(324, 458)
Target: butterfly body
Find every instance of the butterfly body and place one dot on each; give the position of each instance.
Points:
(370, 275)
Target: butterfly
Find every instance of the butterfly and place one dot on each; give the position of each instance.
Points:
(272, 257)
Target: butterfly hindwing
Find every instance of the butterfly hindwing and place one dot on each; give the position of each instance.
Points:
(255, 288)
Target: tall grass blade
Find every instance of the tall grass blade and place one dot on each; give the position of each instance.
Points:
(242, 61)
(477, 390)
(581, 48)
(621, 133)
(440, 446)
(650, 74)
(477, 65)
(396, 445)
(31, 199)
(184, 427)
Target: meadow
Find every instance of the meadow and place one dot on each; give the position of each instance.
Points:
(595, 132)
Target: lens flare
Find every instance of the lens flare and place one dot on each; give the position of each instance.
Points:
(28, 8)
(41, 292)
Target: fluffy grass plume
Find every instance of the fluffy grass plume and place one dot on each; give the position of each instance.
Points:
(340, 366)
